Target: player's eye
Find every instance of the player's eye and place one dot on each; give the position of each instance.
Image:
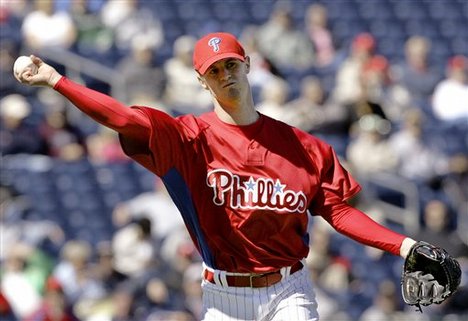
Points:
(213, 71)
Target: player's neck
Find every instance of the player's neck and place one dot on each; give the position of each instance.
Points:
(239, 113)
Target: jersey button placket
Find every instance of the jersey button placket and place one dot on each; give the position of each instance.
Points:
(255, 154)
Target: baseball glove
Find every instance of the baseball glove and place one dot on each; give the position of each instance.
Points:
(430, 275)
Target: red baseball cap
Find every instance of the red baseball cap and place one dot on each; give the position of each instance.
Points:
(457, 62)
(364, 41)
(214, 47)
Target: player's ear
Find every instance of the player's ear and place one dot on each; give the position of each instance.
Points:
(202, 81)
(247, 64)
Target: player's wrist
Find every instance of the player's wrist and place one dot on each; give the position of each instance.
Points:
(406, 246)
(54, 79)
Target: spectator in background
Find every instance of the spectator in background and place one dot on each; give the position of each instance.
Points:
(128, 20)
(274, 95)
(318, 260)
(439, 223)
(332, 273)
(93, 37)
(415, 73)
(12, 14)
(316, 21)
(161, 303)
(123, 307)
(183, 92)
(74, 274)
(104, 267)
(370, 98)
(63, 139)
(178, 252)
(45, 236)
(17, 135)
(5, 309)
(16, 286)
(103, 147)
(348, 88)
(450, 100)
(438, 226)
(261, 69)
(386, 306)
(45, 28)
(416, 159)
(142, 77)
(54, 306)
(191, 289)
(454, 184)
(369, 151)
(13, 209)
(282, 43)
(155, 205)
(312, 113)
(135, 251)
(376, 79)
(8, 53)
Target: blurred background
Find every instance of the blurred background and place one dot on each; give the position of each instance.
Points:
(86, 234)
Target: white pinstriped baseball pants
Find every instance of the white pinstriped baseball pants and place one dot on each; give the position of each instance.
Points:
(292, 298)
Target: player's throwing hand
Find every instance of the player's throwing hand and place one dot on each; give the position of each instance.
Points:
(45, 75)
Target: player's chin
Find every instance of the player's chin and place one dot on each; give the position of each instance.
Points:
(233, 92)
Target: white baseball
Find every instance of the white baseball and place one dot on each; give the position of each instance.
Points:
(23, 62)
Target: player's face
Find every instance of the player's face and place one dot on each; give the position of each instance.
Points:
(227, 79)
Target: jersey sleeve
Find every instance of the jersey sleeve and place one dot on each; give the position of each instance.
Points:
(105, 110)
(167, 143)
(355, 224)
(335, 183)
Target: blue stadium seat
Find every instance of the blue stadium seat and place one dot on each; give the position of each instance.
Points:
(409, 10)
(392, 48)
(421, 27)
(389, 28)
(450, 28)
(174, 29)
(345, 10)
(459, 44)
(193, 10)
(440, 51)
(260, 11)
(346, 30)
(223, 11)
(441, 9)
(375, 10)
(164, 10)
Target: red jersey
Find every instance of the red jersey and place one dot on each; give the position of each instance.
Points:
(243, 191)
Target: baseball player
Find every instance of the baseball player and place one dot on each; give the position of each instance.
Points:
(243, 182)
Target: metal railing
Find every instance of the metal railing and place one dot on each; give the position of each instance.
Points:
(406, 215)
(76, 66)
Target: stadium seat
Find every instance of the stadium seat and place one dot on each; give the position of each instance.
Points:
(374, 10)
(409, 10)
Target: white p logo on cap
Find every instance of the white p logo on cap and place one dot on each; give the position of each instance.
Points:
(214, 43)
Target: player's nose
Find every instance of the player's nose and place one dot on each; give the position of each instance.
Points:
(224, 73)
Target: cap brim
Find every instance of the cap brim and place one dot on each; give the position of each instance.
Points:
(216, 58)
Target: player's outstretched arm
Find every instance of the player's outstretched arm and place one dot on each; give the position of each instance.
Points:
(100, 107)
(430, 274)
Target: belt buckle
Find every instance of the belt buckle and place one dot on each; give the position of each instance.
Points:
(255, 275)
(251, 276)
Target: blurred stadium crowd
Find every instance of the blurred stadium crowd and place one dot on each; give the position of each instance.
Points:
(88, 235)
